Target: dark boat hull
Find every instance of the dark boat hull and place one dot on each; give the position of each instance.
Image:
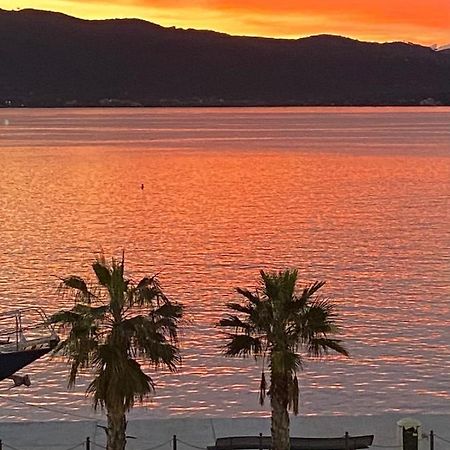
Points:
(319, 443)
(11, 362)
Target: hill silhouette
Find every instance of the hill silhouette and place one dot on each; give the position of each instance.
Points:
(51, 59)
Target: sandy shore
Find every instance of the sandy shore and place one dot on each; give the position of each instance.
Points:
(195, 433)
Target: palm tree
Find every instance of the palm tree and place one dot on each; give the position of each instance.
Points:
(113, 322)
(279, 326)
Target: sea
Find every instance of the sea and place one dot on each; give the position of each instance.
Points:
(206, 198)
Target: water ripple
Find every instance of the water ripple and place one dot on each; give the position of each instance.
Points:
(358, 197)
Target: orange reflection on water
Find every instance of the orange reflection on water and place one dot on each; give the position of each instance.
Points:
(356, 197)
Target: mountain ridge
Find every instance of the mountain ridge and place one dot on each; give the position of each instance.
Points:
(53, 59)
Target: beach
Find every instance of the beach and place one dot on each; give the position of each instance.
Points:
(194, 433)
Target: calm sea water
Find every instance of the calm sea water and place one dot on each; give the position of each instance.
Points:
(358, 197)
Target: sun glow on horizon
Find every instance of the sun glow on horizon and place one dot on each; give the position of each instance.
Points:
(425, 23)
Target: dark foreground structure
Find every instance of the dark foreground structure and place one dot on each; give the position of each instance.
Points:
(50, 59)
(11, 362)
(264, 442)
(24, 338)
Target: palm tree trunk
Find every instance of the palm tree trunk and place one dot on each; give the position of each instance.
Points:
(117, 425)
(280, 415)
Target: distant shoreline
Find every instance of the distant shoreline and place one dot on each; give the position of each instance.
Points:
(226, 106)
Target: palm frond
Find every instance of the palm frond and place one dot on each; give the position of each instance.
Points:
(118, 289)
(103, 273)
(80, 348)
(161, 353)
(286, 283)
(325, 304)
(244, 309)
(94, 312)
(148, 338)
(164, 319)
(170, 310)
(75, 282)
(119, 380)
(252, 297)
(145, 282)
(294, 394)
(321, 346)
(235, 322)
(77, 285)
(64, 317)
(81, 315)
(148, 291)
(243, 345)
(309, 291)
(318, 317)
(262, 389)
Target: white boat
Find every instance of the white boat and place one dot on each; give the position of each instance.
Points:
(25, 336)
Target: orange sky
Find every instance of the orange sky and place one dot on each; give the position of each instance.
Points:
(422, 21)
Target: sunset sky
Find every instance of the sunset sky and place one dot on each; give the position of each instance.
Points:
(421, 21)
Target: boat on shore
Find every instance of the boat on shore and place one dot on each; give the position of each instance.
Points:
(25, 336)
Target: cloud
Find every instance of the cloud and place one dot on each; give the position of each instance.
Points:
(417, 12)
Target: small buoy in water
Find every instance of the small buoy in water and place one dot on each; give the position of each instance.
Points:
(142, 186)
(6, 122)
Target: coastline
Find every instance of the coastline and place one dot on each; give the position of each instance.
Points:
(119, 104)
(199, 432)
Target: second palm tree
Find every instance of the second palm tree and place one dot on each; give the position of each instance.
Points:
(280, 326)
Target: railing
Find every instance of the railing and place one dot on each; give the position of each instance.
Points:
(25, 327)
